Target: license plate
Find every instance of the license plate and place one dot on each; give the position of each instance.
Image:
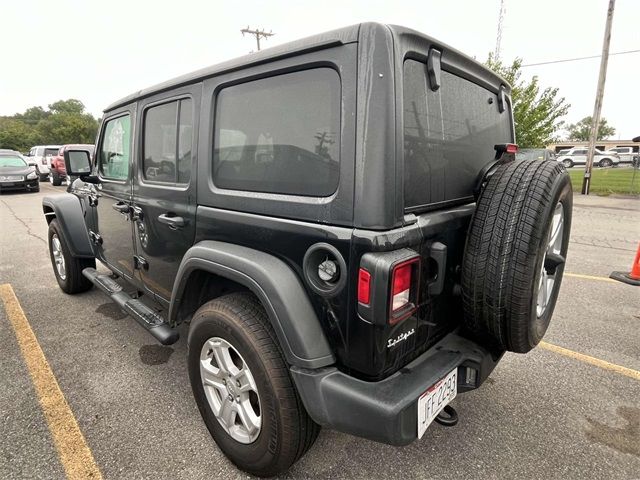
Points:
(431, 402)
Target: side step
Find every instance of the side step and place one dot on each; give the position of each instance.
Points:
(148, 318)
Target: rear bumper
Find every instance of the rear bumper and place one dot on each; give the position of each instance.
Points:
(386, 411)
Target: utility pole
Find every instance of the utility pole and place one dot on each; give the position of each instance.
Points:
(597, 108)
(258, 33)
(503, 10)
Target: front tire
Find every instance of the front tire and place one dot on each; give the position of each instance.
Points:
(567, 163)
(67, 268)
(605, 162)
(243, 389)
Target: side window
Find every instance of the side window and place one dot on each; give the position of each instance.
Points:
(279, 134)
(115, 148)
(168, 130)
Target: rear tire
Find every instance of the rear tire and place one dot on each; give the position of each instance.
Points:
(515, 252)
(238, 323)
(567, 163)
(67, 268)
(56, 181)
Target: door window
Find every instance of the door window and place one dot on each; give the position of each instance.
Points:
(115, 148)
(168, 131)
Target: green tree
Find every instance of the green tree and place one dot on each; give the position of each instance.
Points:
(67, 106)
(65, 121)
(580, 130)
(537, 114)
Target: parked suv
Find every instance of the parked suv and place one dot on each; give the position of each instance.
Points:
(343, 224)
(58, 173)
(41, 156)
(578, 156)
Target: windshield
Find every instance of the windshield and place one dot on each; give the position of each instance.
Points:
(11, 161)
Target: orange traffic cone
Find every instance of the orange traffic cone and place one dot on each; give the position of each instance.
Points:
(632, 277)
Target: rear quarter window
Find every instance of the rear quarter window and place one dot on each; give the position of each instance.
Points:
(279, 134)
(449, 135)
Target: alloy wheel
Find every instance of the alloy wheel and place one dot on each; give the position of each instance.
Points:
(58, 257)
(551, 262)
(231, 390)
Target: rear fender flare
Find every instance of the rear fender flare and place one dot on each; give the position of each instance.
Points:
(277, 287)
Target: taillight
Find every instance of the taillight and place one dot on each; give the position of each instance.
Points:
(364, 286)
(512, 148)
(400, 286)
(404, 288)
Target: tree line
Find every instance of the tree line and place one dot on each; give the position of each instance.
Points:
(64, 121)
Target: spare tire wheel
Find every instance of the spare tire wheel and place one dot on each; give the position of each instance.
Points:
(515, 254)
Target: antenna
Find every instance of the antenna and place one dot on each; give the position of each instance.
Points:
(258, 33)
(503, 9)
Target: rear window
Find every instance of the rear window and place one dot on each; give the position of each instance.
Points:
(449, 135)
(279, 134)
(50, 152)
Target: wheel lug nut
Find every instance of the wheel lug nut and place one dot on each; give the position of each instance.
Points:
(224, 380)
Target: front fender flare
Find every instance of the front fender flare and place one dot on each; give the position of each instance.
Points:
(68, 211)
(277, 287)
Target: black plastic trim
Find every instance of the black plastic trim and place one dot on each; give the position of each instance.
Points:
(68, 212)
(386, 411)
(276, 286)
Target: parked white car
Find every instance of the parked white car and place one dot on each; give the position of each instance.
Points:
(578, 156)
(41, 156)
(626, 153)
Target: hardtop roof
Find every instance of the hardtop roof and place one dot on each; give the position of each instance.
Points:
(340, 36)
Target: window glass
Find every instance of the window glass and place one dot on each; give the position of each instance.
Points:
(167, 142)
(115, 148)
(159, 160)
(185, 137)
(279, 134)
(449, 135)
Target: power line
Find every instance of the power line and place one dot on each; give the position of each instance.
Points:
(577, 58)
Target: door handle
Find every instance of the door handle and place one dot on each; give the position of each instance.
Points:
(121, 207)
(171, 220)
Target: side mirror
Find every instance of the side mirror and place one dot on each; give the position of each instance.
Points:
(78, 163)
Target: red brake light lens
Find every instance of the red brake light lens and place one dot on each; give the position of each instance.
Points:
(404, 288)
(364, 286)
(512, 148)
(401, 286)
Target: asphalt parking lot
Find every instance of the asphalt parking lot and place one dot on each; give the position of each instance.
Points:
(542, 415)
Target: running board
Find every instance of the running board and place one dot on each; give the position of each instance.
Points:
(146, 317)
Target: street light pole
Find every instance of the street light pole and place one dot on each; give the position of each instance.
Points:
(597, 108)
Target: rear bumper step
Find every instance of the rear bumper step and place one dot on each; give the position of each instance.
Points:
(146, 317)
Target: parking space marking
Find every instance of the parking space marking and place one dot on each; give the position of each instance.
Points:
(75, 455)
(590, 277)
(628, 372)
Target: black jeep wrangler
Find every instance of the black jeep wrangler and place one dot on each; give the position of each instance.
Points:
(343, 224)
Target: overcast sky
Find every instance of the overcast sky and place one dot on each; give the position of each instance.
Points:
(98, 52)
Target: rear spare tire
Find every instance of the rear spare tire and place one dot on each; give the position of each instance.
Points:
(515, 254)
